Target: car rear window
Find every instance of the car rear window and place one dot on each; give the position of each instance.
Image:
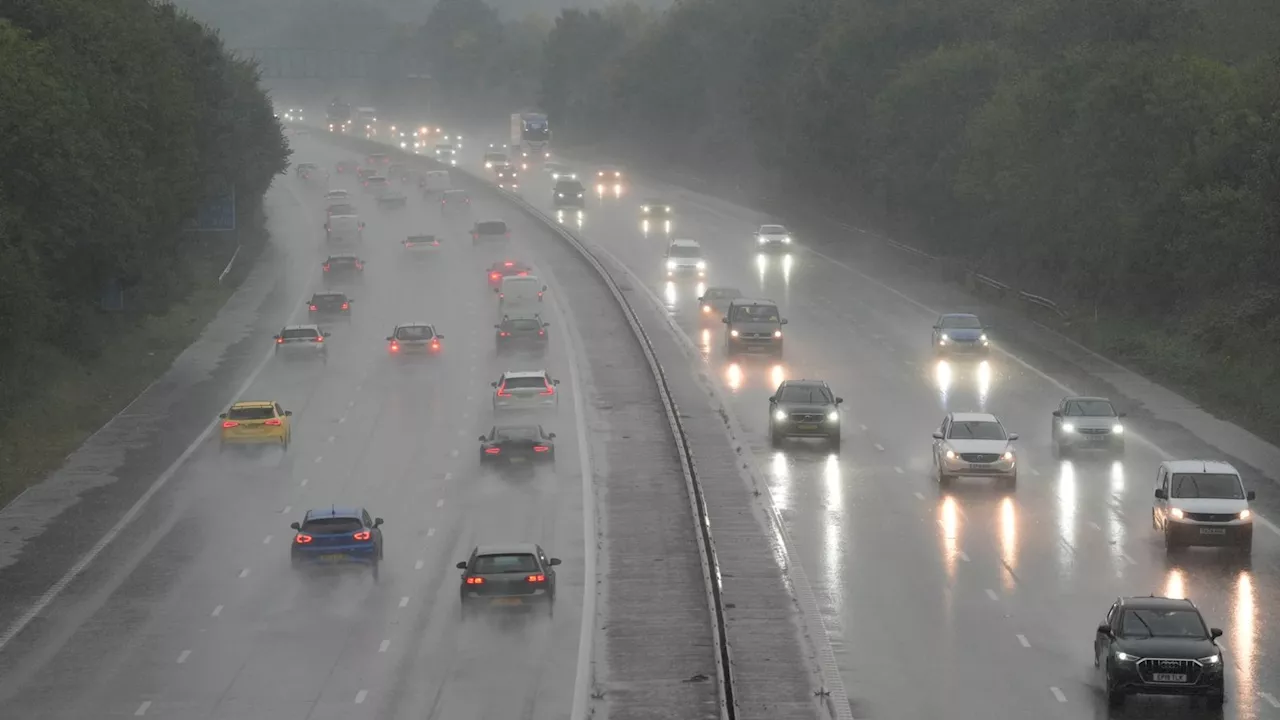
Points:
(377, 181)
(328, 299)
(524, 325)
(341, 209)
(298, 334)
(486, 564)
(251, 413)
(492, 228)
(415, 333)
(525, 383)
(524, 432)
(332, 525)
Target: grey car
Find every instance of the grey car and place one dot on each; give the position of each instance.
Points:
(804, 408)
(1087, 423)
(753, 326)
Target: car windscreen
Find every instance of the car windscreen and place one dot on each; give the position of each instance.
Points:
(491, 228)
(320, 526)
(342, 260)
(961, 322)
(323, 300)
(686, 251)
(523, 432)
(1090, 408)
(299, 334)
(524, 324)
(377, 181)
(772, 230)
(342, 209)
(573, 187)
(486, 564)
(976, 430)
(1206, 485)
(755, 313)
(415, 333)
(525, 383)
(1162, 623)
(721, 294)
(809, 395)
(251, 413)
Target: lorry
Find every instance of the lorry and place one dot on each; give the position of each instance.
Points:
(338, 116)
(530, 138)
(367, 121)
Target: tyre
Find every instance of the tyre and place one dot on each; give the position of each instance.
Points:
(1010, 483)
(944, 480)
(833, 443)
(375, 570)
(1171, 544)
(1114, 697)
(775, 440)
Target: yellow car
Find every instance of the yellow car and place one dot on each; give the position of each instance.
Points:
(257, 422)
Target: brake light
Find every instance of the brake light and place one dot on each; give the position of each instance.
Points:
(541, 448)
(495, 276)
(346, 306)
(230, 424)
(395, 347)
(279, 341)
(502, 392)
(408, 244)
(359, 266)
(501, 295)
(523, 273)
(326, 267)
(504, 334)
(493, 451)
(539, 293)
(313, 308)
(508, 264)
(537, 578)
(475, 581)
(319, 338)
(302, 539)
(435, 344)
(549, 391)
(362, 535)
(273, 422)
(542, 332)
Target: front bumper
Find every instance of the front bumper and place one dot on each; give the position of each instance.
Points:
(765, 345)
(975, 348)
(822, 428)
(1129, 679)
(1206, 534)
(569, 202)
(959, 467)
(1083, 440)
(686, 271)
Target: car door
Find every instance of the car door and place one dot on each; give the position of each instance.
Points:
(1101, 643)
(1161, 506)
(937, 444)
(547, 568)
(284, 418)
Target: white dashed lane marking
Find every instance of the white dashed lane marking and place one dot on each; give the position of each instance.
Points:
(319, 458)
(431, 531)
(266, 540)
(1270, 698)
(183, 657)
(330, 439)
(879, 447)
(440, 502)
(142, 709)
(919, 496)
(303, 483)
(342, 419)
(418, 565)
(963, 556)
(453, 453)
(992, 594)
(897, 469)
(1024, 641)
(383, 647)
(360, 696)
(448, 476)
(216, 611)
(286, 510)
(1057, 694)
(244, 573)
(404, 601)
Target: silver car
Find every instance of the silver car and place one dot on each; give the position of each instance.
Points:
(527, 390)
(302, 341)
(1087, 423)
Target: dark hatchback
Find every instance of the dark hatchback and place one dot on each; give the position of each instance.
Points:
(330, 305)
(1158, 646)
(338, 267)
(337, 536)
(518, 444)
(569, 193)
(516, 576)
(521, 334)
(490, 230)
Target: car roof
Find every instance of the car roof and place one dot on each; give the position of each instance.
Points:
(507, 549)
(1193, 467)
(738, 301)
(803, 382)
(974, 417)
(302, 327)
(415, 323)
(253, 404)
(520, 278)
(686, 242)
(335, 511)
(1156, 603)
(344, 256)
(328, 293)
(524, 374)
(517, 426)
(337, 192)
(773, 225)
(958, 315)
(1086, 397)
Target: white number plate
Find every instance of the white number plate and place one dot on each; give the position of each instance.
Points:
(1169, 677)
(979, 466)
(1213, 531)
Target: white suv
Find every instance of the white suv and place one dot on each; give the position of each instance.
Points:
(684, 257)
(1202, 502)
(525, 390)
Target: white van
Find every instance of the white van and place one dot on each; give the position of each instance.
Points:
(519, 292)
(436, 181)
(1202, 502)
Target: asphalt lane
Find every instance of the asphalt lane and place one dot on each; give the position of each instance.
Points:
(204, 618)
(966, 603)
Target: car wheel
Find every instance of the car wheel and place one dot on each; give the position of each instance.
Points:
(1115, 698)
(833, 443)
(1171, 544)
(944, 480)
(1155, 524)
(775, 440)
(1011, 482)
(1246, 547)
(375, 570)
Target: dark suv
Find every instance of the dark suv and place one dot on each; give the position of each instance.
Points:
(804, 408)
(521, 333)
(569, 193)
(490, 230)
(753, 326)
(1158, 646)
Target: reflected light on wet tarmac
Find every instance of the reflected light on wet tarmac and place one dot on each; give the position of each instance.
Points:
(781, 485)
(1008, 542)
(705, 342)
(834, 488)
(1243, 636)
(733, 376)
(1117, 477)
(669, 295)
(762, 265)
(1175, 585)
(984, 384)
(787, 262)
(776, 375)
(700, 289)
(949, 521)
(942, 378)
(644, 228)
(834, 533)
(1067, 512)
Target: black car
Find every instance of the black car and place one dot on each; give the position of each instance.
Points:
(521, 333)
(339, 267)
(1158, 646)
(517, 444)
(517, 576)
(454, 200)
(490, 230)
(655, 208)
(717, 299)
(337, 536)
(306, 170)
(569, 193)
(753, 326)
(392, 199)
(804, 408)
(328, 305)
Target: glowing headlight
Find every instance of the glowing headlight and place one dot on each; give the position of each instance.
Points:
(786, 239)
(559, 194)
(1211, 660)
(1068, 428)
(761, 239)
(1125, 657)
(702, 265)
(779, 416)
(951, 454)
(733, 333)
(944, 337)
(777, 333)
(1245, 514)
(983, 337)
(833, 416)
(671, 264)
(1008, 454)
(1176, 513)
(1118, 429)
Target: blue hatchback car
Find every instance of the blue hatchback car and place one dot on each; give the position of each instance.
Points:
(337, 536)
(960, 334)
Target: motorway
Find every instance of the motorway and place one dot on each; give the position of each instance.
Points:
(961, 604)
(195, 611)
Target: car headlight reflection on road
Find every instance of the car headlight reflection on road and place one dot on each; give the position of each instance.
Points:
(779, 416)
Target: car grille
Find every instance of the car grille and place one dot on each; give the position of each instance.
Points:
(758, 337)
(980, 457)
(1149, 667)
(1094, 431)
(1212, 517)
(806, 417)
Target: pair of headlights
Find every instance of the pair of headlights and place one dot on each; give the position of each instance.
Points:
(832, 416)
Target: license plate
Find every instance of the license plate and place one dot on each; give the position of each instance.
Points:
(979, 466)
(1098, 438)
(806, 427)
(519, 459)
(508, 602)
(1213, 531)
(1169, 677)
(333, 558)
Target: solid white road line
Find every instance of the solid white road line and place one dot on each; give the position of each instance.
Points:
(1057, 694)
(963, 556)
(319, 458)
(897, 469)
(267, 539)
(440, 502)
(142, 709)
(418, 565)
(448, 476)
(1025, 642)
(286, 510)
(879, 447)
(431, 531)
(919, 495)
(1270, 698)
(244, 573)
(183, 657)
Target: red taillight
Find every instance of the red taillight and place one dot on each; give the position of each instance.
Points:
(279, 341)
(302, 539)
(501, 295)
(435, 344)
(493, 451)
(230, 424)
(273, 422)
(362, 535)
(395, 346)
(504, 334)
(537, 578)
(346, 306)
(319, 338)
(541, 448)
(326, 267)
(508, 264)
(435, 243)
(495, 276)
(549, 391)
(313, 308)
(408, 244)
(542, 332)
(539, 294)
(508, 234)
(359, 266)
(475, 581)
(523, 273)
(502, 392)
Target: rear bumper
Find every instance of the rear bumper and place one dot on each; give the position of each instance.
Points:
(343, 555)
(253, 440)
(516, 603)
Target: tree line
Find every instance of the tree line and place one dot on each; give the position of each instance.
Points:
(119, 118)
(1119, 156)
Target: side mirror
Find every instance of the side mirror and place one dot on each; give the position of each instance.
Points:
(1013, 436)
(546, 325)
(493, 384)
(773, 398)
(275, 337)
(937, 327)
(724, 320)
(390, 338)
(497, 327)
(223, 416)
(377, 522)
(551, 436)
(1215, 633)
(1057, 413)
(1104, 629)
(699, 301)
(1251, 495)
(839, 400)
(937, 435)
(440, 336)
(483, 438)
(1162, 494)
(783, 321)
(553, 561)
(555, 382)
(462, 565)
(288, 413)
(544, 288)
(1122, 414)
(296, 526)
(326, 334)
